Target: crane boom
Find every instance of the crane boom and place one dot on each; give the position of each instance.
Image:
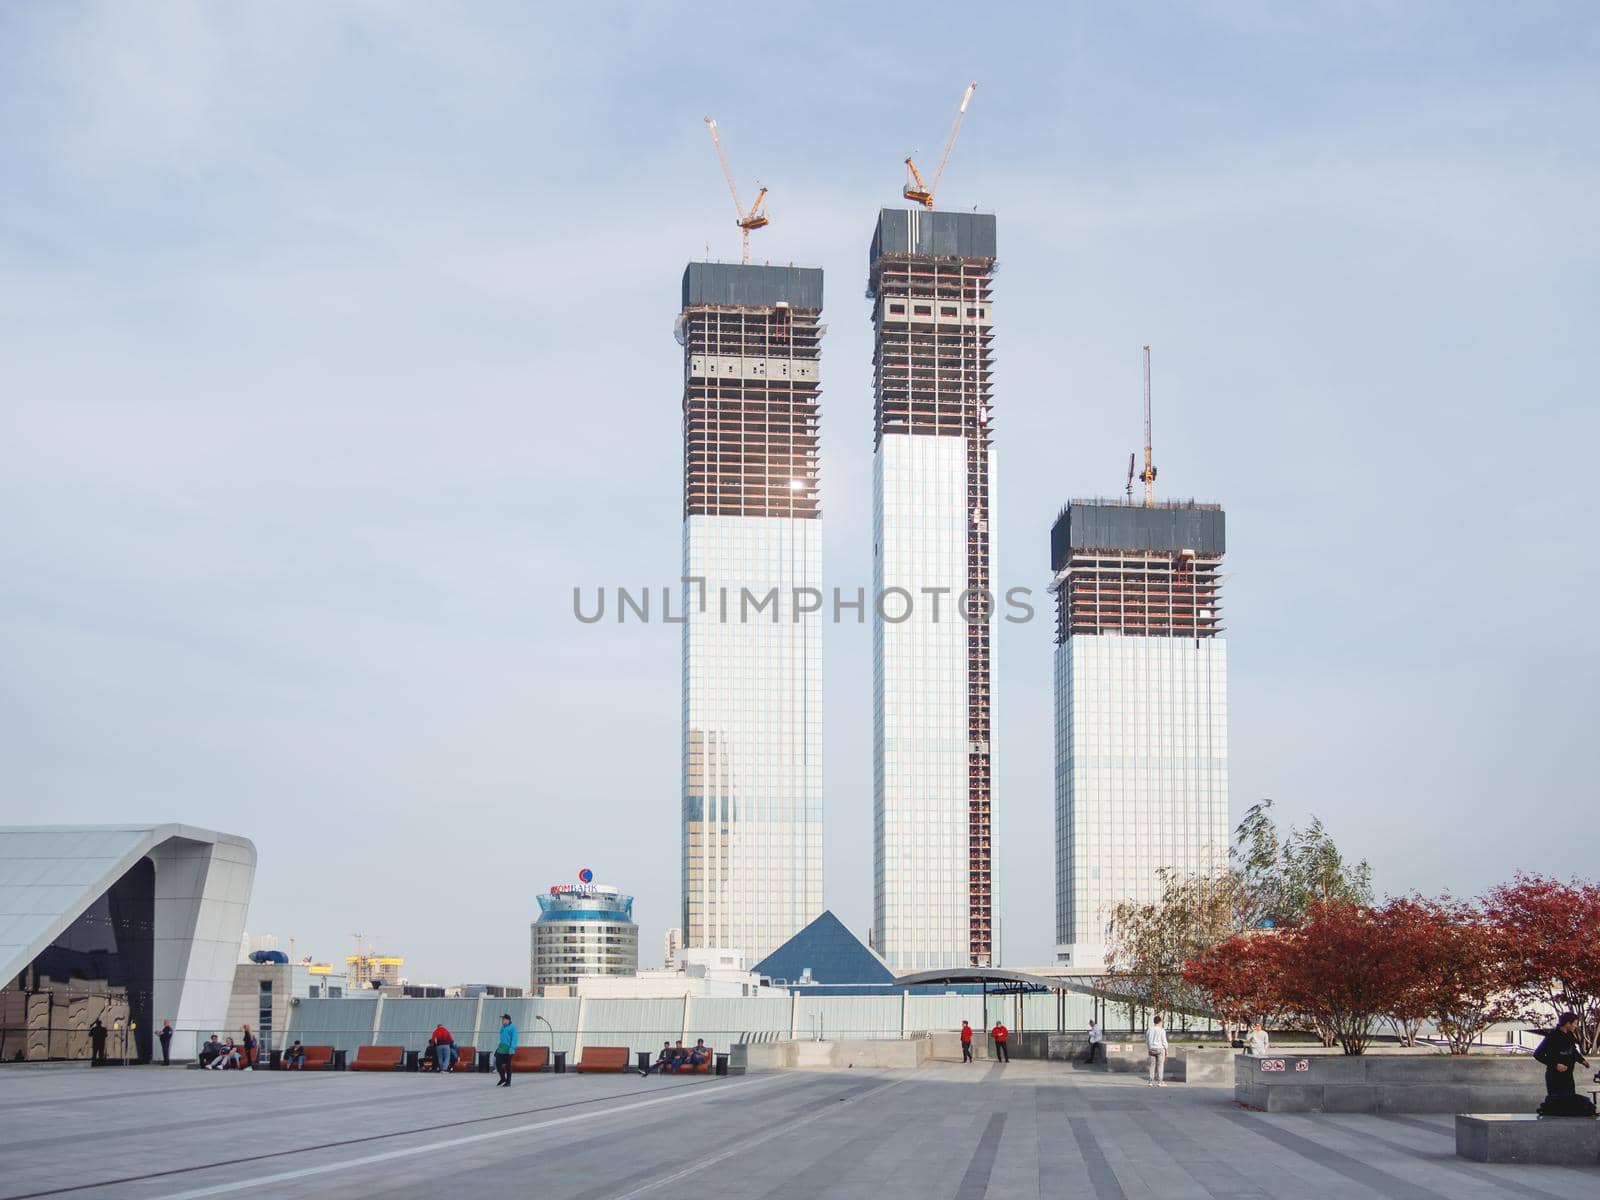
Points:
(1149, 473)
(915, 188)
(955, 132)
(722, 157)
(746, 220)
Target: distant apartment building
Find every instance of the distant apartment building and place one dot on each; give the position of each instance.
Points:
(1141, 709)
(929, 282)
(670, 946)
(752, 652)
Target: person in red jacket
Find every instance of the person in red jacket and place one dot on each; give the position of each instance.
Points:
(966, 1042)
(1000, 1033)
(444, 1048)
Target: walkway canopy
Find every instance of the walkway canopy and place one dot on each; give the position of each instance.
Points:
(994, 981)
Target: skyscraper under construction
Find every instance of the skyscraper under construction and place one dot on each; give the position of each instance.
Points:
(752, 640)
(1141, 677)
(933, 568)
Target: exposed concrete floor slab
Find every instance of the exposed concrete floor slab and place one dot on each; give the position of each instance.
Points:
(946, 1130)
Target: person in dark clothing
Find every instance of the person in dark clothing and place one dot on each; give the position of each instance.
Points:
(97, 1043)
(663, 1062)
(698, 1053)
(165, 1038)
(1560, 1055)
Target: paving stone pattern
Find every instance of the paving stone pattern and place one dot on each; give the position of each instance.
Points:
(947, 1130)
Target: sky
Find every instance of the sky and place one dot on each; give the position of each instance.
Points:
(336, 351)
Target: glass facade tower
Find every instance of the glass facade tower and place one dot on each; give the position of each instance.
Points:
(1141, 710)
(752, 638)
(933, 506)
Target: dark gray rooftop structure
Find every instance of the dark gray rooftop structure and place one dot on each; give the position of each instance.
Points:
(752, 287)
(941, 234)
(1166, 528)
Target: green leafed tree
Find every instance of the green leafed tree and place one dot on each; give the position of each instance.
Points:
(1286, 875)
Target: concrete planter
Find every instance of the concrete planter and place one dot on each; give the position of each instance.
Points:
(1522, 1138)
(1388, 1084)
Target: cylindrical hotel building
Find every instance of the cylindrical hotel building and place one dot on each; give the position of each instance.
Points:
(583, 930)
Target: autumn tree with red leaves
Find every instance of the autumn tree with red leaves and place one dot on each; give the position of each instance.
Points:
(1463, 978)
(1554, 952)
(1344, 971)
(1241, 978)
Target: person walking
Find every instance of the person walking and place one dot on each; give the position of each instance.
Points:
(1156, 1040)
(506, 1048)
(97, 1044)
(1001, 1035)
(444, 1049)
(165, 1038)
(1097, 1043)
(966, 1041)
(1256, 1042)
(1560, 1055)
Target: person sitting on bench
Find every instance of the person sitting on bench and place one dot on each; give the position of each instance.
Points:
(1561, 1057)
(663, 1061)
(698, 1054)
(210, 1050)
(294, 1058)
(228, 1059)
(680, 1057)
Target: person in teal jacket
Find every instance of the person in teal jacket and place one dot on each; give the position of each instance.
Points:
(506, 1048)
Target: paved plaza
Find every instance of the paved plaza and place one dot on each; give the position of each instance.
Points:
(945, 1130)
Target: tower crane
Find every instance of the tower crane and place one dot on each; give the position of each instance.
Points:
(923, 193)
(748, 219)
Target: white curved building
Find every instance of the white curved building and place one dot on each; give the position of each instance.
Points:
(130, 924)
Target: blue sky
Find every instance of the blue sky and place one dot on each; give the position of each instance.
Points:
(335, 350)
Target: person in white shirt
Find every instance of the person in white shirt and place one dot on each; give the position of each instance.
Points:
(1097, 1044)
(1156, 1040)
(1255, 1042)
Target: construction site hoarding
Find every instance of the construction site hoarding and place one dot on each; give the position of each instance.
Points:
(752, 286)
(938, 234)
(1168, 528)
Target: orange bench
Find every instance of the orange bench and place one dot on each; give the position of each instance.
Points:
(379, 1058)
(604, 1058)
(530, 1058)
(468, 1060)
(704, 1067)
(318, 1058)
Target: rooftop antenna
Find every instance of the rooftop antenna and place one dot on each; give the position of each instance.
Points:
(1149, 473)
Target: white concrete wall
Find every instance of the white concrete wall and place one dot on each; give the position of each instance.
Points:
(202, 897)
